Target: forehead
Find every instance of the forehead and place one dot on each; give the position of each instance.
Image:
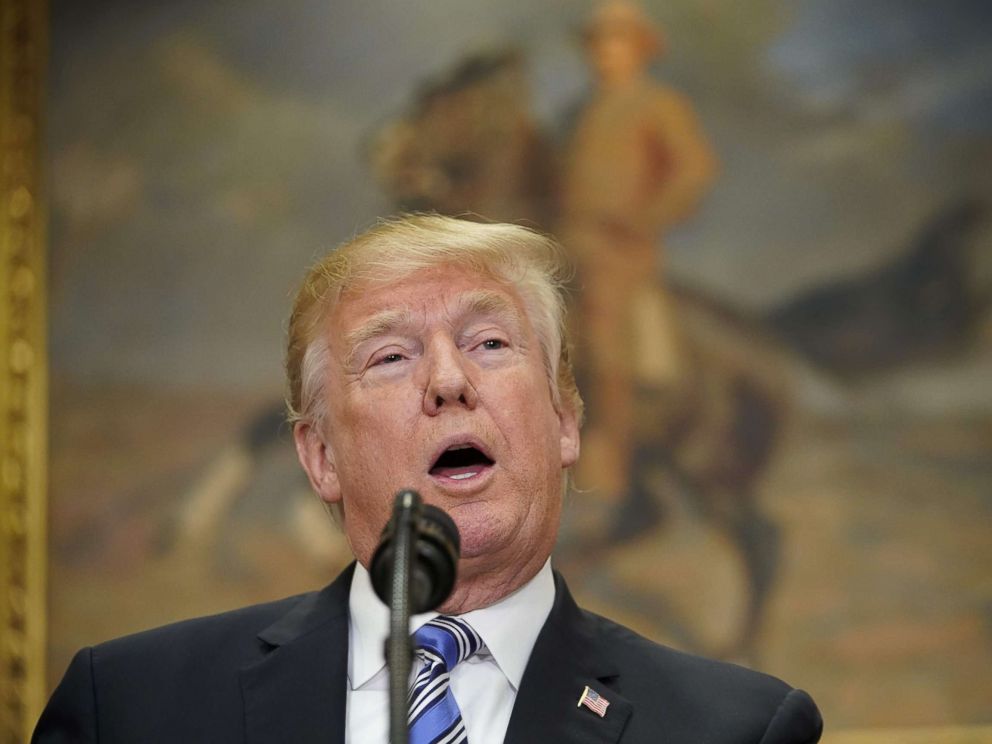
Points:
(614, 33)
(446, 291)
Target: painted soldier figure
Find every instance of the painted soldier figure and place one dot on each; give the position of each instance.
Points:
(637, 165)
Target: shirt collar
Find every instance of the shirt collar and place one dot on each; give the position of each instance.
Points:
(509, 627)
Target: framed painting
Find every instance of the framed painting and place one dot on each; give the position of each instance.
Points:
(781, 302)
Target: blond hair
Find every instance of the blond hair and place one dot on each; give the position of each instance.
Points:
(533, 264)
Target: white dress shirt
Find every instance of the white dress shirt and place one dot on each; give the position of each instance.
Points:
(485, 686)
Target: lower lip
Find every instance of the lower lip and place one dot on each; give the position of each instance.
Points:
(466, 482)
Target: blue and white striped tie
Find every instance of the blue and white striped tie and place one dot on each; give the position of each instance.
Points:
(434, 716)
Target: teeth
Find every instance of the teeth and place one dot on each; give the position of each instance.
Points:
(462, 476)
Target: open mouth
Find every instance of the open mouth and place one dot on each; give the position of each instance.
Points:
(461, 462)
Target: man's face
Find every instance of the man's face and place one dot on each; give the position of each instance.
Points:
(436, 382)
(616, 55)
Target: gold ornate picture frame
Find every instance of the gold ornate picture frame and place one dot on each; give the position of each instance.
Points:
(23, 369)
(849, 552)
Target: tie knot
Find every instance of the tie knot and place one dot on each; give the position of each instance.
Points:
(450, 639)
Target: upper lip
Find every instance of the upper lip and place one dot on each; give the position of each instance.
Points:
(466, 440)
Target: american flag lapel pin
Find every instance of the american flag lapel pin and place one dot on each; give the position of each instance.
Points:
(593, 701)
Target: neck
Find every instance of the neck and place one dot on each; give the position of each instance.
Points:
(619, 82)
(476, 588)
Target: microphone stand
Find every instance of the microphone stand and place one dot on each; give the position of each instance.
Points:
(399, 650)
(413, 570)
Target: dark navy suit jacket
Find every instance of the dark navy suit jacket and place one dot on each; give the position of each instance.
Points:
(277, 672)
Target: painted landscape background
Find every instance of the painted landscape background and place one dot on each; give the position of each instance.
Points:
(201, 155)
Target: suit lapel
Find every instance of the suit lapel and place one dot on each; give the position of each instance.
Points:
(568, 656)
(297, 690)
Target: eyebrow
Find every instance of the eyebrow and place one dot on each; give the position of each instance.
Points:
(379, 324)
(475, 302)
(486, 302)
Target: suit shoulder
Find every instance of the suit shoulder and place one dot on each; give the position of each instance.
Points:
(703, 694)
(635, 648)
(234, 630)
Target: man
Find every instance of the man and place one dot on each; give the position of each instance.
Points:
(428, 353)
(637, 165)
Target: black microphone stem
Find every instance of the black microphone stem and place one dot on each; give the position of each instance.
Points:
(413, 570)
(399, 651)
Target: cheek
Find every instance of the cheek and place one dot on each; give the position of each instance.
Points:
(536, 440)
(371, 421)
(376, 450)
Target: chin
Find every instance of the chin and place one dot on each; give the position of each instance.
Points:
(480, 531)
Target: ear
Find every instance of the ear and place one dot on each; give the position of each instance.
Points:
(318, 462)
(569, 436)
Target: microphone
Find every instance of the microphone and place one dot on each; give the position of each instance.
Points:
(434, 553)
(412, 570)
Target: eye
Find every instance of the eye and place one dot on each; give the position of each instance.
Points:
(391, 358)
(493, 343)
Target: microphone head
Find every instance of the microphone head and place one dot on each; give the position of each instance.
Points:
(434, 561)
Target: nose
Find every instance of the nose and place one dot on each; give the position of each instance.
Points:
(448, 384)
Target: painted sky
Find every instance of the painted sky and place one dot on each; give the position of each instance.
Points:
(203, 154)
